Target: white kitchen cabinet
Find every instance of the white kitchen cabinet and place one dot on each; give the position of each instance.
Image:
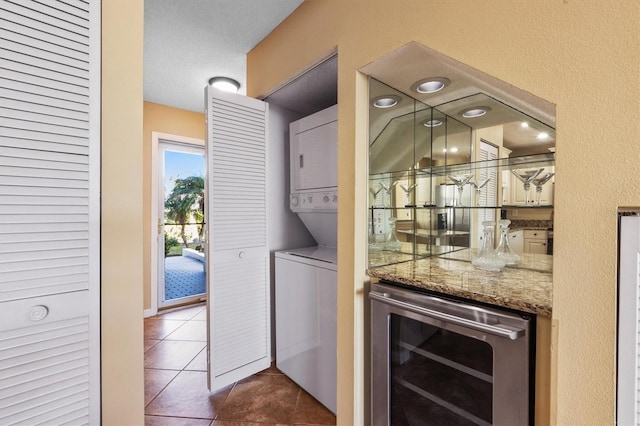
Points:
(518, 196)
(535, 241)
(314, 151)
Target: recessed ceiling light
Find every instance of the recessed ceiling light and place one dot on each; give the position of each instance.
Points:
(386, 101)
(433, 123)
(225, 84)
(542, 136)
(454, 149)
(475, 112)
(430, 85)
(524, 124)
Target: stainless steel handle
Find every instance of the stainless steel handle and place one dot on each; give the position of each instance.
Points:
(505, 331)
(301, 161)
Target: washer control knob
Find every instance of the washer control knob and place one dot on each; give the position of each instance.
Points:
(334, 198)
(325, 199)
(38, 313)
(295, 200)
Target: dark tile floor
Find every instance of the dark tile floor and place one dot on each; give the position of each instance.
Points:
(175, 390)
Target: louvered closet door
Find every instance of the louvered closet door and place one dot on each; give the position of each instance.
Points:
(628, 395)
(49, 212)
(489, 193)
(238, 255)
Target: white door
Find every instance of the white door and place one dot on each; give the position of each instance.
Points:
(237, 252)
(488, 195)
(49, 212)
(181, 174)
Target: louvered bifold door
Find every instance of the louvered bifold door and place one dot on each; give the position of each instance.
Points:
(49, 212)
(628, 365)
(238, 255)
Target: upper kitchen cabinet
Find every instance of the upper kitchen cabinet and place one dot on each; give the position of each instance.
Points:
(449, 148)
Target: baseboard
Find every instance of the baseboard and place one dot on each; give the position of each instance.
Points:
(149, 313)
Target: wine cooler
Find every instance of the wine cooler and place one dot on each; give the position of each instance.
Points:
(437, 361)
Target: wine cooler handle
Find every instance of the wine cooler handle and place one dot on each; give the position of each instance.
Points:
(504, 331)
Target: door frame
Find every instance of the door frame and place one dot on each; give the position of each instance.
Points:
(156, 138)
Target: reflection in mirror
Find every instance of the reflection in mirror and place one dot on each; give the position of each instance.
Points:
(442, 162)
(390, 130)
(522, 134)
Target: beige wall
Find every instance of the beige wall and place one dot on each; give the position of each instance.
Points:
(122, 338)
(173, 121)
(582, 56)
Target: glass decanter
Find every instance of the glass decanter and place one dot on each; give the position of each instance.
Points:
(539, 183)
(526, 177)
(504, 251)
(392, 243)
(488, 259)
(460, 181)
(374, 245)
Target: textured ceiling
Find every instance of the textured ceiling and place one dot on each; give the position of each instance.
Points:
(186, 42)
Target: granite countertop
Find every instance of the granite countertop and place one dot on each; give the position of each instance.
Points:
(527, 287)
(516, 225)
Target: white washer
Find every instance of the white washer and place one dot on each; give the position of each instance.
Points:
(306, 298)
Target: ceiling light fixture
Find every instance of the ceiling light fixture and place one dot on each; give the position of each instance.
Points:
(433, 123)
(524, 125)
(542, 136)
(386, 101)
(475, 112)
(225, 84)
(430, 85)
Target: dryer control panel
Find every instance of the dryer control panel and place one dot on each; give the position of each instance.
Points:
(314, 201)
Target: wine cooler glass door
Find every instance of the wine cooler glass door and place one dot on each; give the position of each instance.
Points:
(439, 362)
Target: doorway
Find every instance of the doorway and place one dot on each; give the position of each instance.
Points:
(179, 215)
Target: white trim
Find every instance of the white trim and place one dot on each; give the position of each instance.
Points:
(95, 208)
(156, 138)
(628, 353)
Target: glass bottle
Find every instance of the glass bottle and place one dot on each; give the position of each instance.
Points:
(504, 251)
(487, 259)
(373, 241)
(392, 243)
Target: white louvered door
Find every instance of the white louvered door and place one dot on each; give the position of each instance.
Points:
(49, 212)
(489, 193)
(628, 395)
(237, 252)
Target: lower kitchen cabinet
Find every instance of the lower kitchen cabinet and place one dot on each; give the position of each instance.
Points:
(535, 241)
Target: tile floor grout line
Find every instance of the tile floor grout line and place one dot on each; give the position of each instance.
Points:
(295, 409)
(184, 370)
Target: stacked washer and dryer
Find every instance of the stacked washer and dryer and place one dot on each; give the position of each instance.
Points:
(306, 278)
